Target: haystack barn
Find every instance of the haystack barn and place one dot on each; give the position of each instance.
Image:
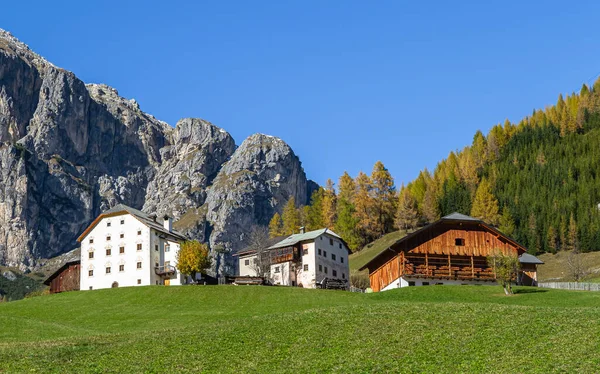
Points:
(452, 250)
(66, 278)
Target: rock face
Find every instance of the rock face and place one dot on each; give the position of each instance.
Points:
(69, 151)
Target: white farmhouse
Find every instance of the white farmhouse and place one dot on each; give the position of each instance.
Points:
(303, 259)
(126, 247)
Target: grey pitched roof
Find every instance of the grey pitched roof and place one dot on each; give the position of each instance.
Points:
(297, 238)
(460, 217)
(269, 242)
(146, 219)
(526, 258)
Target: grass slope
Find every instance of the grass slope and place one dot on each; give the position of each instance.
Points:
(556, 268)
(360, 258)
(21, 286)
(271, 329)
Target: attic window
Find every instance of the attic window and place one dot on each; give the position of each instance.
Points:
(459, 242)
(122, 222)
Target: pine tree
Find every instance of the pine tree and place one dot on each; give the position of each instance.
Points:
(562, 234)
(314, 217)
(384, 197)
(346, 224)
(347, 187)
(485, 204)
(534, 238)
(431, 210)
(363, 203)
(572, 236)
(329, 205)
(275, 226)
(551, 239)
(406, 214)
(507, 223)
(290, 217)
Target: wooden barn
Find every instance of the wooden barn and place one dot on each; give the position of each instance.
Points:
(452, 250)
(66, 278)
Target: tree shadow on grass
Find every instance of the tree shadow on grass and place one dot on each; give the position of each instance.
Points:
(530, 290)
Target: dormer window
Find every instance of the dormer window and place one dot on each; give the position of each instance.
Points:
(459, 242)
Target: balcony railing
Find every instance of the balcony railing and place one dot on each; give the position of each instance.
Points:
(165, 270)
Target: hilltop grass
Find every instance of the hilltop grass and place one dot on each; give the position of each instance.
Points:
(271, 329)
(556, 268)
(360, 258)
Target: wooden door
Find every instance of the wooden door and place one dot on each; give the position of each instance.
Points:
(167, 282)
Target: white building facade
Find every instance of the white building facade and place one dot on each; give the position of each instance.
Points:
(125, 247)
(304, 259)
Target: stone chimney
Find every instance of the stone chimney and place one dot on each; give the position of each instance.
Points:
(302, 230)
(168, 223)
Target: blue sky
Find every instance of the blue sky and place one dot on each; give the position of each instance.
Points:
(345, 83)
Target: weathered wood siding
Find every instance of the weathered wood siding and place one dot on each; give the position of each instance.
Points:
(385, 274)
(67, 280)
(435, 252)
(442, 240)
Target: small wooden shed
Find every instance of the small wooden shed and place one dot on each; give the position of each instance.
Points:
(66, 278)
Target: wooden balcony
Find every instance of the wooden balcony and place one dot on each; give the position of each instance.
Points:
(165, 271)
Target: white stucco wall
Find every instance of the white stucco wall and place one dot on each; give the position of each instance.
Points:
(403, 282)
(331, 245)
(247, 270)
(148, 256)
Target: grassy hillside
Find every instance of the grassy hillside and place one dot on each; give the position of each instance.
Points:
(360, 258)
(556, 268)
(272, 329)
(23, 284)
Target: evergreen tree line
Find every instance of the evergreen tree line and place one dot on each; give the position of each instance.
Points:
(536, 180)
(360, 210)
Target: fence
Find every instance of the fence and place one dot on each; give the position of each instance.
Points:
(571, 286)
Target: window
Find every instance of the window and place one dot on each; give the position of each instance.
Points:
(305, 267)
(411, 284)
(343, 275)
(320, 267)
(90, 273)
(108, 238)
(121, 267)
(139, 281)
(108, 270)
(319, 251)
(333, 257)
(157, 283)
(324, 253)
(277, 269)
(91, 288)
(92, 241)
(121, 250)
(247, 262)
(139, 246)
(305, 252)
(425, 283)
(139, 232)
(108, 251)
(122, 236)
(459, 241)
(139, 265)
(122, 222)
(156, 264)
(156, 247)
(325, 269)
(340, 245)
(167, 248)
(330, 241)
(91, 255)
(341, 259)
(108, 224)
(334, 273)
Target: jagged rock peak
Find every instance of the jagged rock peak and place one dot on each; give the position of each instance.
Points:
(13, 46)
(258, 150)
(197, 131)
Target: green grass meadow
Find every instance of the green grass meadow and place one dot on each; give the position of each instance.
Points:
(249, 329)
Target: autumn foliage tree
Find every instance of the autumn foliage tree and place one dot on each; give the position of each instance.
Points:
(192, 258)
(506, 269)
(406, 213)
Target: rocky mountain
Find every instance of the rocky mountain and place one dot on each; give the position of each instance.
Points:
(69, 151)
